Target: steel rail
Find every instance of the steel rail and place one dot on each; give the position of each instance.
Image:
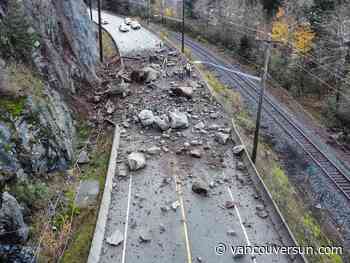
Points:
(326, 165)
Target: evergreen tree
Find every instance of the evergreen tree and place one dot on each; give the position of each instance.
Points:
(15, 40)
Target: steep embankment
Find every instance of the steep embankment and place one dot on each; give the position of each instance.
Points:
(37, 96)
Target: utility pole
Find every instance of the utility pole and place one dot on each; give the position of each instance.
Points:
(90, 6)
(149, 11)
(183, 27)
(100, 29)
(261, 100)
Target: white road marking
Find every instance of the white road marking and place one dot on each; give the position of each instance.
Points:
(127, 221)
(240, 221)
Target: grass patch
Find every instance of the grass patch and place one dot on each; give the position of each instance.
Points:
(78, 250)
(85, 220)
(302, 223)
(13, 106)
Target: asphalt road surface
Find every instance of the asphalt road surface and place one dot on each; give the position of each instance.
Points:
(129, 43)
(158, 215)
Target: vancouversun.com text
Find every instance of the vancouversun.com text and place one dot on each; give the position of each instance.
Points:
(222, 249)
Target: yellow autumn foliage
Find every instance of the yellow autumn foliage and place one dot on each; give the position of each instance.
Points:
(280, 32)
(300, 37)
(169, 12)
(303, 37)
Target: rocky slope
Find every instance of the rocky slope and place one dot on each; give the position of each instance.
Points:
(36, 99)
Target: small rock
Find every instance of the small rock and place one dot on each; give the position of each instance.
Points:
(260, 207)
(238, 150)
(154, 150)
(212, 184)
(122, 170)
(83, 158)
(214, 127)
(162, 228)
(199, 259)
(199, 187)
(238, 255)
(110, 107)
(231, 232)
(196, 153)
(240, 166)
(222, 138)
(136, 161)
(146, 117)
(199, 126)
(184, 91)
(145, 235)
(175, 205)
(229, 205)
(262, 214)
(116, 238)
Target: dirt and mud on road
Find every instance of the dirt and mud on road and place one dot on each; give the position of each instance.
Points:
(181, 192)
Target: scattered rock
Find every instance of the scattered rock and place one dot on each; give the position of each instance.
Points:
(145, 235)
(222, 138)
(200, 187)
(178, 120)
(229, 205)
(122, 170)
(162, 228)
(262, 214)
(162, 122)
(196, 153)
(136, 161)
(154, 150)
(83, 157)
(260, 207)
(231, 232)
(238, 150)
(110, 108)
(116, 238)
(150, 74)
(183, 91)
(199, 126)
(175, 205)
(240, 166)
(146, 117)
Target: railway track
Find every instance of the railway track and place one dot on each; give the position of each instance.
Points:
(283, 120)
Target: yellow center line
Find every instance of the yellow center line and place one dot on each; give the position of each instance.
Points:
(183, 214)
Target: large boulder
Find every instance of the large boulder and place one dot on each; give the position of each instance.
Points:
(146, 117)
(12, 227)
(136, 161)
(178, 120)
(162, 122)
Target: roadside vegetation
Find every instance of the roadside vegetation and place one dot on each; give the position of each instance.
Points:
(305, 226)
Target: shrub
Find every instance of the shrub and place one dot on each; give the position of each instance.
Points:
(16, 40)
(30, 193)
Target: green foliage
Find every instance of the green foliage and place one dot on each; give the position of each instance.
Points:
(271, 6)
(13, 106)
(245, 47)
(30, 193)
(15, 40)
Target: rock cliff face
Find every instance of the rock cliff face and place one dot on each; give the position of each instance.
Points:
(36, 129)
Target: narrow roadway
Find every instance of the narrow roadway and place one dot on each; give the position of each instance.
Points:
(160, 217)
